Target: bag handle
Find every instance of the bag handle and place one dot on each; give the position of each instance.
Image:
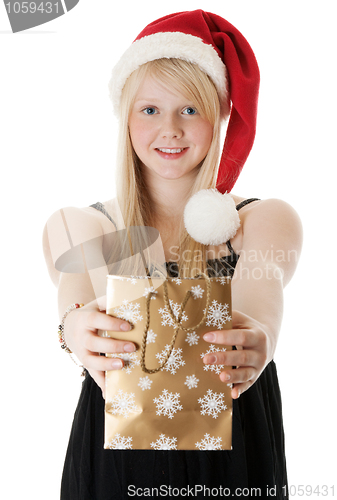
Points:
(176, 322)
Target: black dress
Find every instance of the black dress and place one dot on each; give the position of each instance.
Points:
(256, 462)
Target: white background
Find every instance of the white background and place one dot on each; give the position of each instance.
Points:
(58, 149)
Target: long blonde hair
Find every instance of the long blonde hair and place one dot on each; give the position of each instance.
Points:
(132, 194)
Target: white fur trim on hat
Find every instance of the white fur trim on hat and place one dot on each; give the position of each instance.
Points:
(169, 45)
(210, 217)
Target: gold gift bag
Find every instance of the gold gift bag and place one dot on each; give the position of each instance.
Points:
(165, 397)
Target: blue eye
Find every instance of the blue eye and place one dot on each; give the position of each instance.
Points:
(149, 111)
(189, 111)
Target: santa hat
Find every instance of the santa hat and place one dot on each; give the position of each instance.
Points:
(222, 52)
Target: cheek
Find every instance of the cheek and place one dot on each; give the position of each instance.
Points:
(203, 136)
(139, 135)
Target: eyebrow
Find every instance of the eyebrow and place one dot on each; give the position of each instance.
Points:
(145, 99)
(153, 100)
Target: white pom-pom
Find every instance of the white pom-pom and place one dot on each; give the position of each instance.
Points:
(211, 217)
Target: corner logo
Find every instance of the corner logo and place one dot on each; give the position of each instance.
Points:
(25, 15)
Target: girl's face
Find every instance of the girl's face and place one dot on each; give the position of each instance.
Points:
(167, 132)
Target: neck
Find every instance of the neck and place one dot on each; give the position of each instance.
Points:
(168, 196)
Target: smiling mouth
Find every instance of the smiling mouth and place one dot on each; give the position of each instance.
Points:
(170, 151)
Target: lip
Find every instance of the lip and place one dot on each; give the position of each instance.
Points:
(171, 156)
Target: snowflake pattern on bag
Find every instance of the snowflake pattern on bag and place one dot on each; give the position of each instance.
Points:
(223, 280)
(191, 381)
(151, 337)
(166, 317)
(182, 385)
(197, 292)
(175, 360)
(217, 314)
(145, 383)
(120, 443)
(130, 360)
(150, 290)
(123, 404)
(131, 279)
(165, 443)
(128, 311)
(213, 368)
(192, 338)
(209, 443)
(168, 403)
(212, 403)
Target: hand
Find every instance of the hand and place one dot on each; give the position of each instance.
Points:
(80, 333)
(253, 354)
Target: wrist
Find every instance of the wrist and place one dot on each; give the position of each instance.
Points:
(62, 340)
(61, 327)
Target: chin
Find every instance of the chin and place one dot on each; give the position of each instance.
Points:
(172, 177)
(178, 174)
(169, 173)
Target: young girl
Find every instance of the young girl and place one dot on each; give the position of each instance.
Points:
(183, 75)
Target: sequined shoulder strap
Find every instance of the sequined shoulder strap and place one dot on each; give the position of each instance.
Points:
(238, 207)
(100, 207)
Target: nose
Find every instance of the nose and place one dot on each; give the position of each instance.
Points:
(171, 127)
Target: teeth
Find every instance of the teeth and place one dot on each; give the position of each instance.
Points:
(170, 150)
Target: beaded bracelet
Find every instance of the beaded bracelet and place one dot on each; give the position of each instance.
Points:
(61, 334)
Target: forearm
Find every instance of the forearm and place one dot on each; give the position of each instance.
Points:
(74, 288)
(83, 288)
(257, 291)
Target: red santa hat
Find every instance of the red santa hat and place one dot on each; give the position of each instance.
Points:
(222, 52)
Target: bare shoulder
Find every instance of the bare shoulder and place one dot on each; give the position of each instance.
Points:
(271, 216)
(272, 230)
(69, 227)
(80, 223)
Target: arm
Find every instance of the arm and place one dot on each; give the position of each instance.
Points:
(71, 227)
(271, 244)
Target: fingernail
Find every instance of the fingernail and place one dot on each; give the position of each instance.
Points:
(116, 364)
(209, 337)
(126, 327)
(129, 348)
(211, 359)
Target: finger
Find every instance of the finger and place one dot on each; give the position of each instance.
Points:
(239, 389)
(243, 357)
(242, 337)
(100, 321)
(101, 302)
(97, 344)
(240, 319)
(240, 375)
(101, 363)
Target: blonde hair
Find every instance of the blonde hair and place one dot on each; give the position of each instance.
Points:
(132, 195)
